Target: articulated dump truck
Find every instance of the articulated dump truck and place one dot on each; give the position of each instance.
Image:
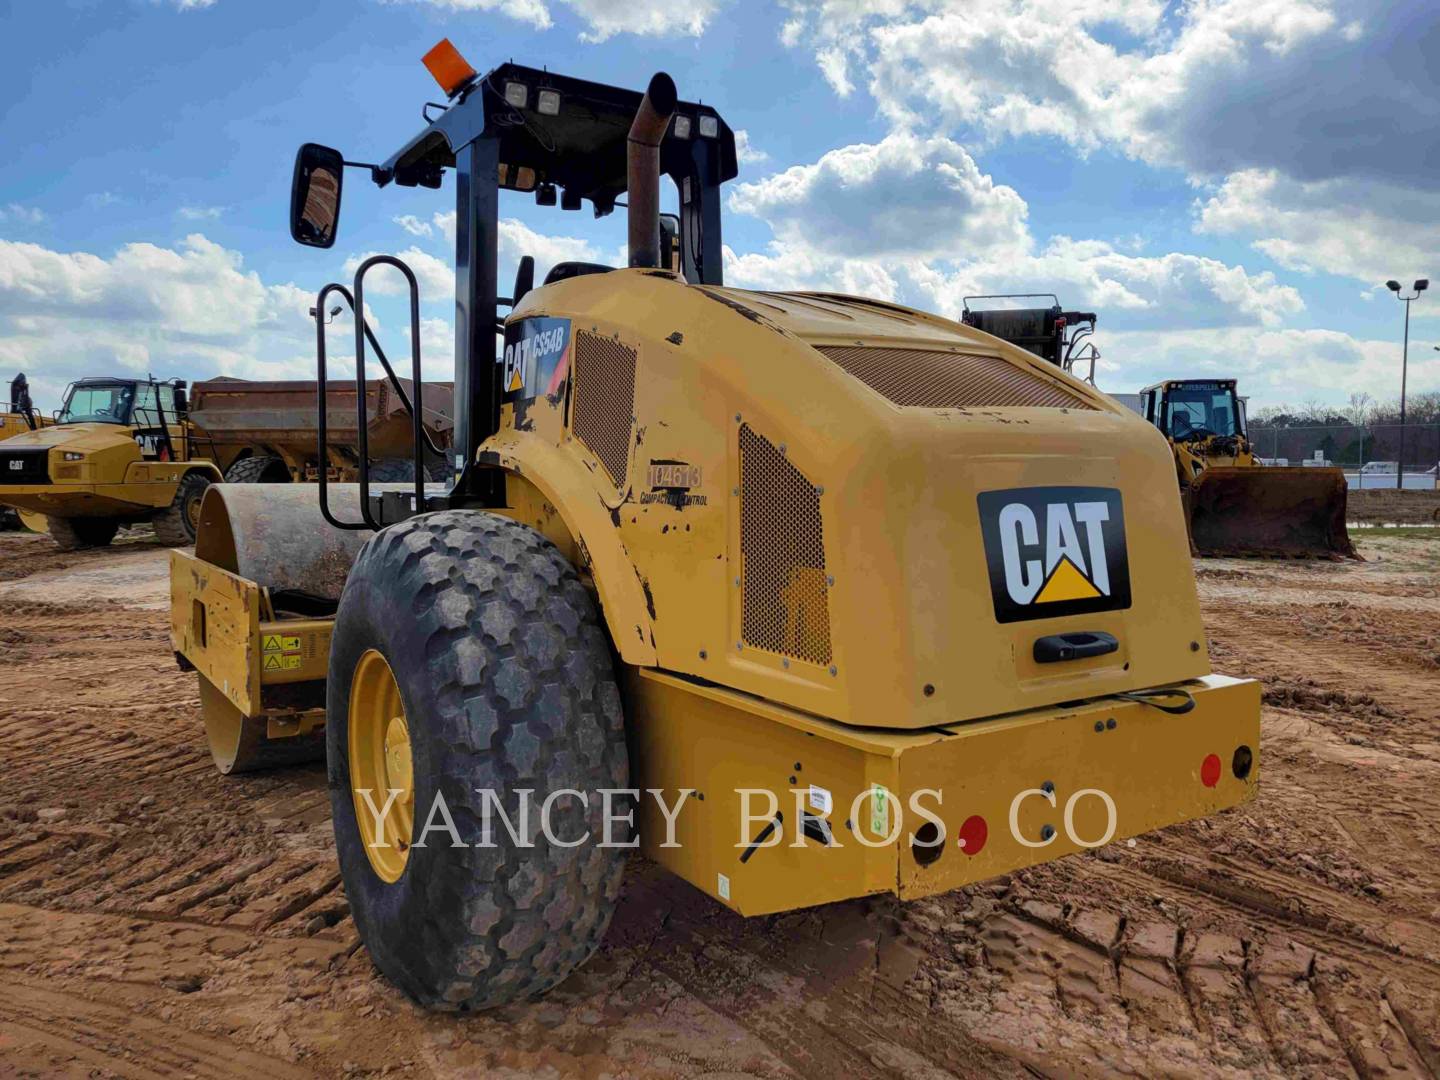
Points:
(17, 416)
(125, 451)
(806, 596)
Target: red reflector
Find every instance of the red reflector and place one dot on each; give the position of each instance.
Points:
(1210, 770)
(973, 834)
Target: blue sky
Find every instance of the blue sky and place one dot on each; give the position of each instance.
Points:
(1226, 182)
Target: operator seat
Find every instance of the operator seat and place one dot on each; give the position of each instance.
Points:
(561, 271)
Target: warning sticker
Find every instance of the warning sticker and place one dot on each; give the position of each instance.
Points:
(879, 810)
(271, 643)
(278, 662)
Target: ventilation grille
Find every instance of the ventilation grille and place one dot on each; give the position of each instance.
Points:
(928, 379)
(784, 599)
(603, 402)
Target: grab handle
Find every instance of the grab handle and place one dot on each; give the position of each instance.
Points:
(1076, 645)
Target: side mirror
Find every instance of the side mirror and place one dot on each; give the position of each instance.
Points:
(182, 401)
(315, 195)
(524, 279)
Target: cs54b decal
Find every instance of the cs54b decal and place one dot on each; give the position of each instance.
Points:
(1055, 551)
(537, 358)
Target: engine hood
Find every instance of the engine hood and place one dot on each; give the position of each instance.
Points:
(86, 438)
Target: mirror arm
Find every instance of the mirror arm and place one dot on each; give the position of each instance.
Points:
(380, 175)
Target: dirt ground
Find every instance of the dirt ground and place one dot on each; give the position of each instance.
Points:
(161, 920)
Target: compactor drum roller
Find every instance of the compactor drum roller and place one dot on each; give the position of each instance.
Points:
(808, 596)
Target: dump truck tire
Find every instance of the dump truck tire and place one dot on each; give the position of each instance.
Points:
(72, 533)
(261, 469)
(175, 526)
(396, 471)
(501, 675)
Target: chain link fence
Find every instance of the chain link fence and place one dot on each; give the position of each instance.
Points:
(1369, 455)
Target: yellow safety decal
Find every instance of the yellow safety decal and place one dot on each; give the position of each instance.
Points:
(276, 662)
(290, 644)
(271, 643)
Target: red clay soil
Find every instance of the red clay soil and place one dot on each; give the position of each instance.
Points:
(157, 919)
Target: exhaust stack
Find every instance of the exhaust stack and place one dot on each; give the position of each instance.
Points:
(643, 169)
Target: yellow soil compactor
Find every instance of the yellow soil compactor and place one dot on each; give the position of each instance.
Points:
(1235, 505)
(807, 596)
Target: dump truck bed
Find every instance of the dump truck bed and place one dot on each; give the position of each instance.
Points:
(281, 413)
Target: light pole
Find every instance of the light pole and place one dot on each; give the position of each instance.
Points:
(1394, 286)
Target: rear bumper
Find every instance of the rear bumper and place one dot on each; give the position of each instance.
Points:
(1017, 790)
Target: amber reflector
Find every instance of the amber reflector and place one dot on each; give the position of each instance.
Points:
(450, 69)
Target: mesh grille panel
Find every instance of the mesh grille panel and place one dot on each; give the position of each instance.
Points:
(603, 401)
(928, 379)
(784, 600)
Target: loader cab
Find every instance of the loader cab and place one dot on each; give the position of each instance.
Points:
(537, 134)
(1190, 409)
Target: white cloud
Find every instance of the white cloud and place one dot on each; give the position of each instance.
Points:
(22, 215)
(603, 19)
(746, 152)
(200, 213)
(188, 5)
(1332, 104)
(903, 195)
(1274, 367)
(1370, 231)
(435, 277)
(191, 310)
(533, 12)
(915, 219)
(515, 239)
(415, 226)
(644, 18)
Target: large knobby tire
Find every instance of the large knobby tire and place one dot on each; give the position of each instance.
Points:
(504, 678)
(175, 526)
(396, 471)
(260, 469)
(72, 533)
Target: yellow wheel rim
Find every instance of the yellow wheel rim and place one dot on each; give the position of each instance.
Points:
(380, 763)
(192, 510)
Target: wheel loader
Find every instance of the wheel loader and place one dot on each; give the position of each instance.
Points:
(1234, 504)
(804, 596)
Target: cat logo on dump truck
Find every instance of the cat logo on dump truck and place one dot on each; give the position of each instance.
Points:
(537, 358)
(1055, 551)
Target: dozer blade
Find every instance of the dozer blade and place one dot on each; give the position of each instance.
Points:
(1270, 512)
